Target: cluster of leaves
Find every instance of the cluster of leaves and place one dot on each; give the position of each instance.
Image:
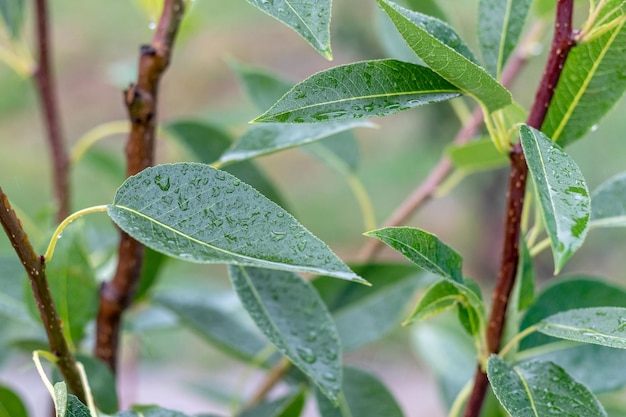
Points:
(196, 212)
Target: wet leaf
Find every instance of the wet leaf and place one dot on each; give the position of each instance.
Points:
(101, 382)
(608, 203)
(360, 90)
(291, 314)
(427, 7)
(535, 389)
(423, 249)
(196, 213)
(592, 82)
(150, 411)
(444, 51)
(365, 395)
(152, 264)
(216, 323)
(12, 12)
(268, 138)
(562, 193)
(605, 326)
(499, 28)
(287, 406)
(11, 404)
(309, 18)
(477, 156)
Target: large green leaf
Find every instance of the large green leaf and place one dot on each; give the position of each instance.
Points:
(261, 86)
(442, 51)
(362, 89)
(500, 25)
(593, 80)
(200, 214)
(309, 18)
(208, 142)
(537, 389)
(287, 406)
(153, 263)
(289, 311)
(566, 294)
(273, 137)
(10, 404)
(562, 193)
(365, 396)
(12, 12)
(608, 203)
(423, 249)
(366, 314)
(477, 156)
(215, 322)
(605, 326)
(427, 7)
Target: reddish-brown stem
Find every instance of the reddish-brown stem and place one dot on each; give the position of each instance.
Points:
(36, 269)
(141, 102)
(44, 79)
(562, 42)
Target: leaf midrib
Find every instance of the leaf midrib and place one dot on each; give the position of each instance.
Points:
(442, 272)
(528, 391)
(549, 324)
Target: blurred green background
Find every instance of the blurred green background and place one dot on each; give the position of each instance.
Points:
(95, 49)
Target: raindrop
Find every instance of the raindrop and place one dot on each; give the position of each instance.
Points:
(329, 377)
(152, 24)
(594, 128)
(302, 245)
(306, 354)
(162, 182)
(185, 256)
(276, 236)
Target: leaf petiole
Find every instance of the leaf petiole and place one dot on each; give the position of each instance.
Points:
(516, 339)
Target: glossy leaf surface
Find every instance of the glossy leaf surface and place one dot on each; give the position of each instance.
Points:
(309, 18)
(359, 90)
(289, 311)
(500, 25)
(365, 396)
(605, 326)
(442, 51)
(11, 404)
(562, 193)
(268, 138)
(196, 213)
(288, 406)
(218, 324)
(477, 156)
(593, 80)
(12, 12)
(608, 203)
(423, 249)
(535, 389)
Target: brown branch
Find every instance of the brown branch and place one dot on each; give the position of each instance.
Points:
(44, 79)
(36, 269)
(562, 43)
(141, 102)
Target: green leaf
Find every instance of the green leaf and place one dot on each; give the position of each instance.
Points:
(443, 51)
(423, 249)
(152, 265)
(150, 411)
(562, 193)
(273, 137)
(605, 326)
(12, 287)
(208, 143)
(101, 382)
(196, 213)
(365, 396)
(12, 12)
(566, 294)
(536, 389)
(476, 156)
(75, 408)
(340, 152)
(60, 398)
(288, 406)
(309, 18)
(291, 314)
(608, 205)
(263, 87)
(592, 82)
(216, 323)
(500, 25)
(366, 314)
(525, 281)
(427, 7)
(10, 404)
(359, 90)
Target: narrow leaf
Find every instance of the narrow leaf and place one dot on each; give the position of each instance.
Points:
(152, 266)
(150, 411)
(525, 281)
(216, 323)
(359, 90)
(500, 25)
(288, 406)
(12, 295)
(340, 152)
(605, 326)
(365, 396)
(592, 82)
(291, 314)
(608, 203)
(261, 86)
(423, 249)
(535, 389)
(562, 193)
(427, 7)
(309, 18)
(441, 49)
(11, 404)
(75, 408)
(268, 138)
(12, 12)
(101, 382)
(477, 156)
(196, 213)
